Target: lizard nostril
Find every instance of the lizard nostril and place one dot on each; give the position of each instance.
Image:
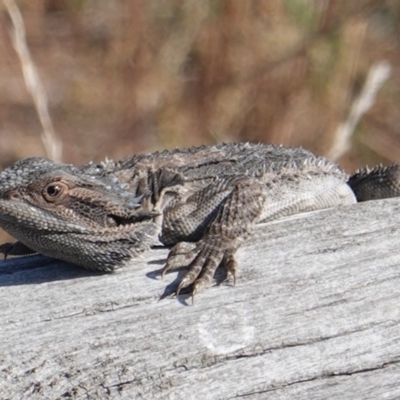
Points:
(13, 195)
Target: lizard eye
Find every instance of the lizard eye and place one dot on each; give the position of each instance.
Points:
(54, 191)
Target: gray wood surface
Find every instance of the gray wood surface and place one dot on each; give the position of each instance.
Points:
(315, 315)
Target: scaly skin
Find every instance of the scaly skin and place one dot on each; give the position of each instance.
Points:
(203, 201)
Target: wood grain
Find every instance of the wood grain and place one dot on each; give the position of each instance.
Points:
(314, 315)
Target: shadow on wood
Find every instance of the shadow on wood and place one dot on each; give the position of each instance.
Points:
(315, 314)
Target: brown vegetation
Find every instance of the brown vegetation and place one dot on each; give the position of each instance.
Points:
(133, 76)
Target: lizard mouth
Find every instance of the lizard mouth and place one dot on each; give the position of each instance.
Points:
(113, 220)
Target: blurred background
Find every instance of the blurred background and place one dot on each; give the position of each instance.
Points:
(123, 77)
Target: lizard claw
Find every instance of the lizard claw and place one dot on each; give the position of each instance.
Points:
(180, 287)
(231, 266)
(5, 249)
(205, 259)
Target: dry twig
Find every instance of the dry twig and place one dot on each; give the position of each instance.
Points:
(377, 76)
(50, 140)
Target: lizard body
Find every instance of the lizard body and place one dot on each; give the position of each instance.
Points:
(102, 216)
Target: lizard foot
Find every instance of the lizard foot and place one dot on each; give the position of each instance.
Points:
(15, 249)
(202, 260)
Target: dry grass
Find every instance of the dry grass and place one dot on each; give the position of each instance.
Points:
(131, 76)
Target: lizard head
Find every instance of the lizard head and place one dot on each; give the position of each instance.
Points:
(74, 214)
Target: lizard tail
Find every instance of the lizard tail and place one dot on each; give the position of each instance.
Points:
(376, 183)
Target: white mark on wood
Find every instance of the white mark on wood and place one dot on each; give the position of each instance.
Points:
(214, 324)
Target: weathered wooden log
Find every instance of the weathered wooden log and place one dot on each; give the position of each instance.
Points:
(315, 314)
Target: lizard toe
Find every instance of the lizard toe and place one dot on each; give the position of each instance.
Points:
(231, 265)
(194, 271)
(180, 256)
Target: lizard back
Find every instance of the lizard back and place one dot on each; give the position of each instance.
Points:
(249, 159)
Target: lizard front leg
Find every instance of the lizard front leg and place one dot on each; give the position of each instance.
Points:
(230, 226)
